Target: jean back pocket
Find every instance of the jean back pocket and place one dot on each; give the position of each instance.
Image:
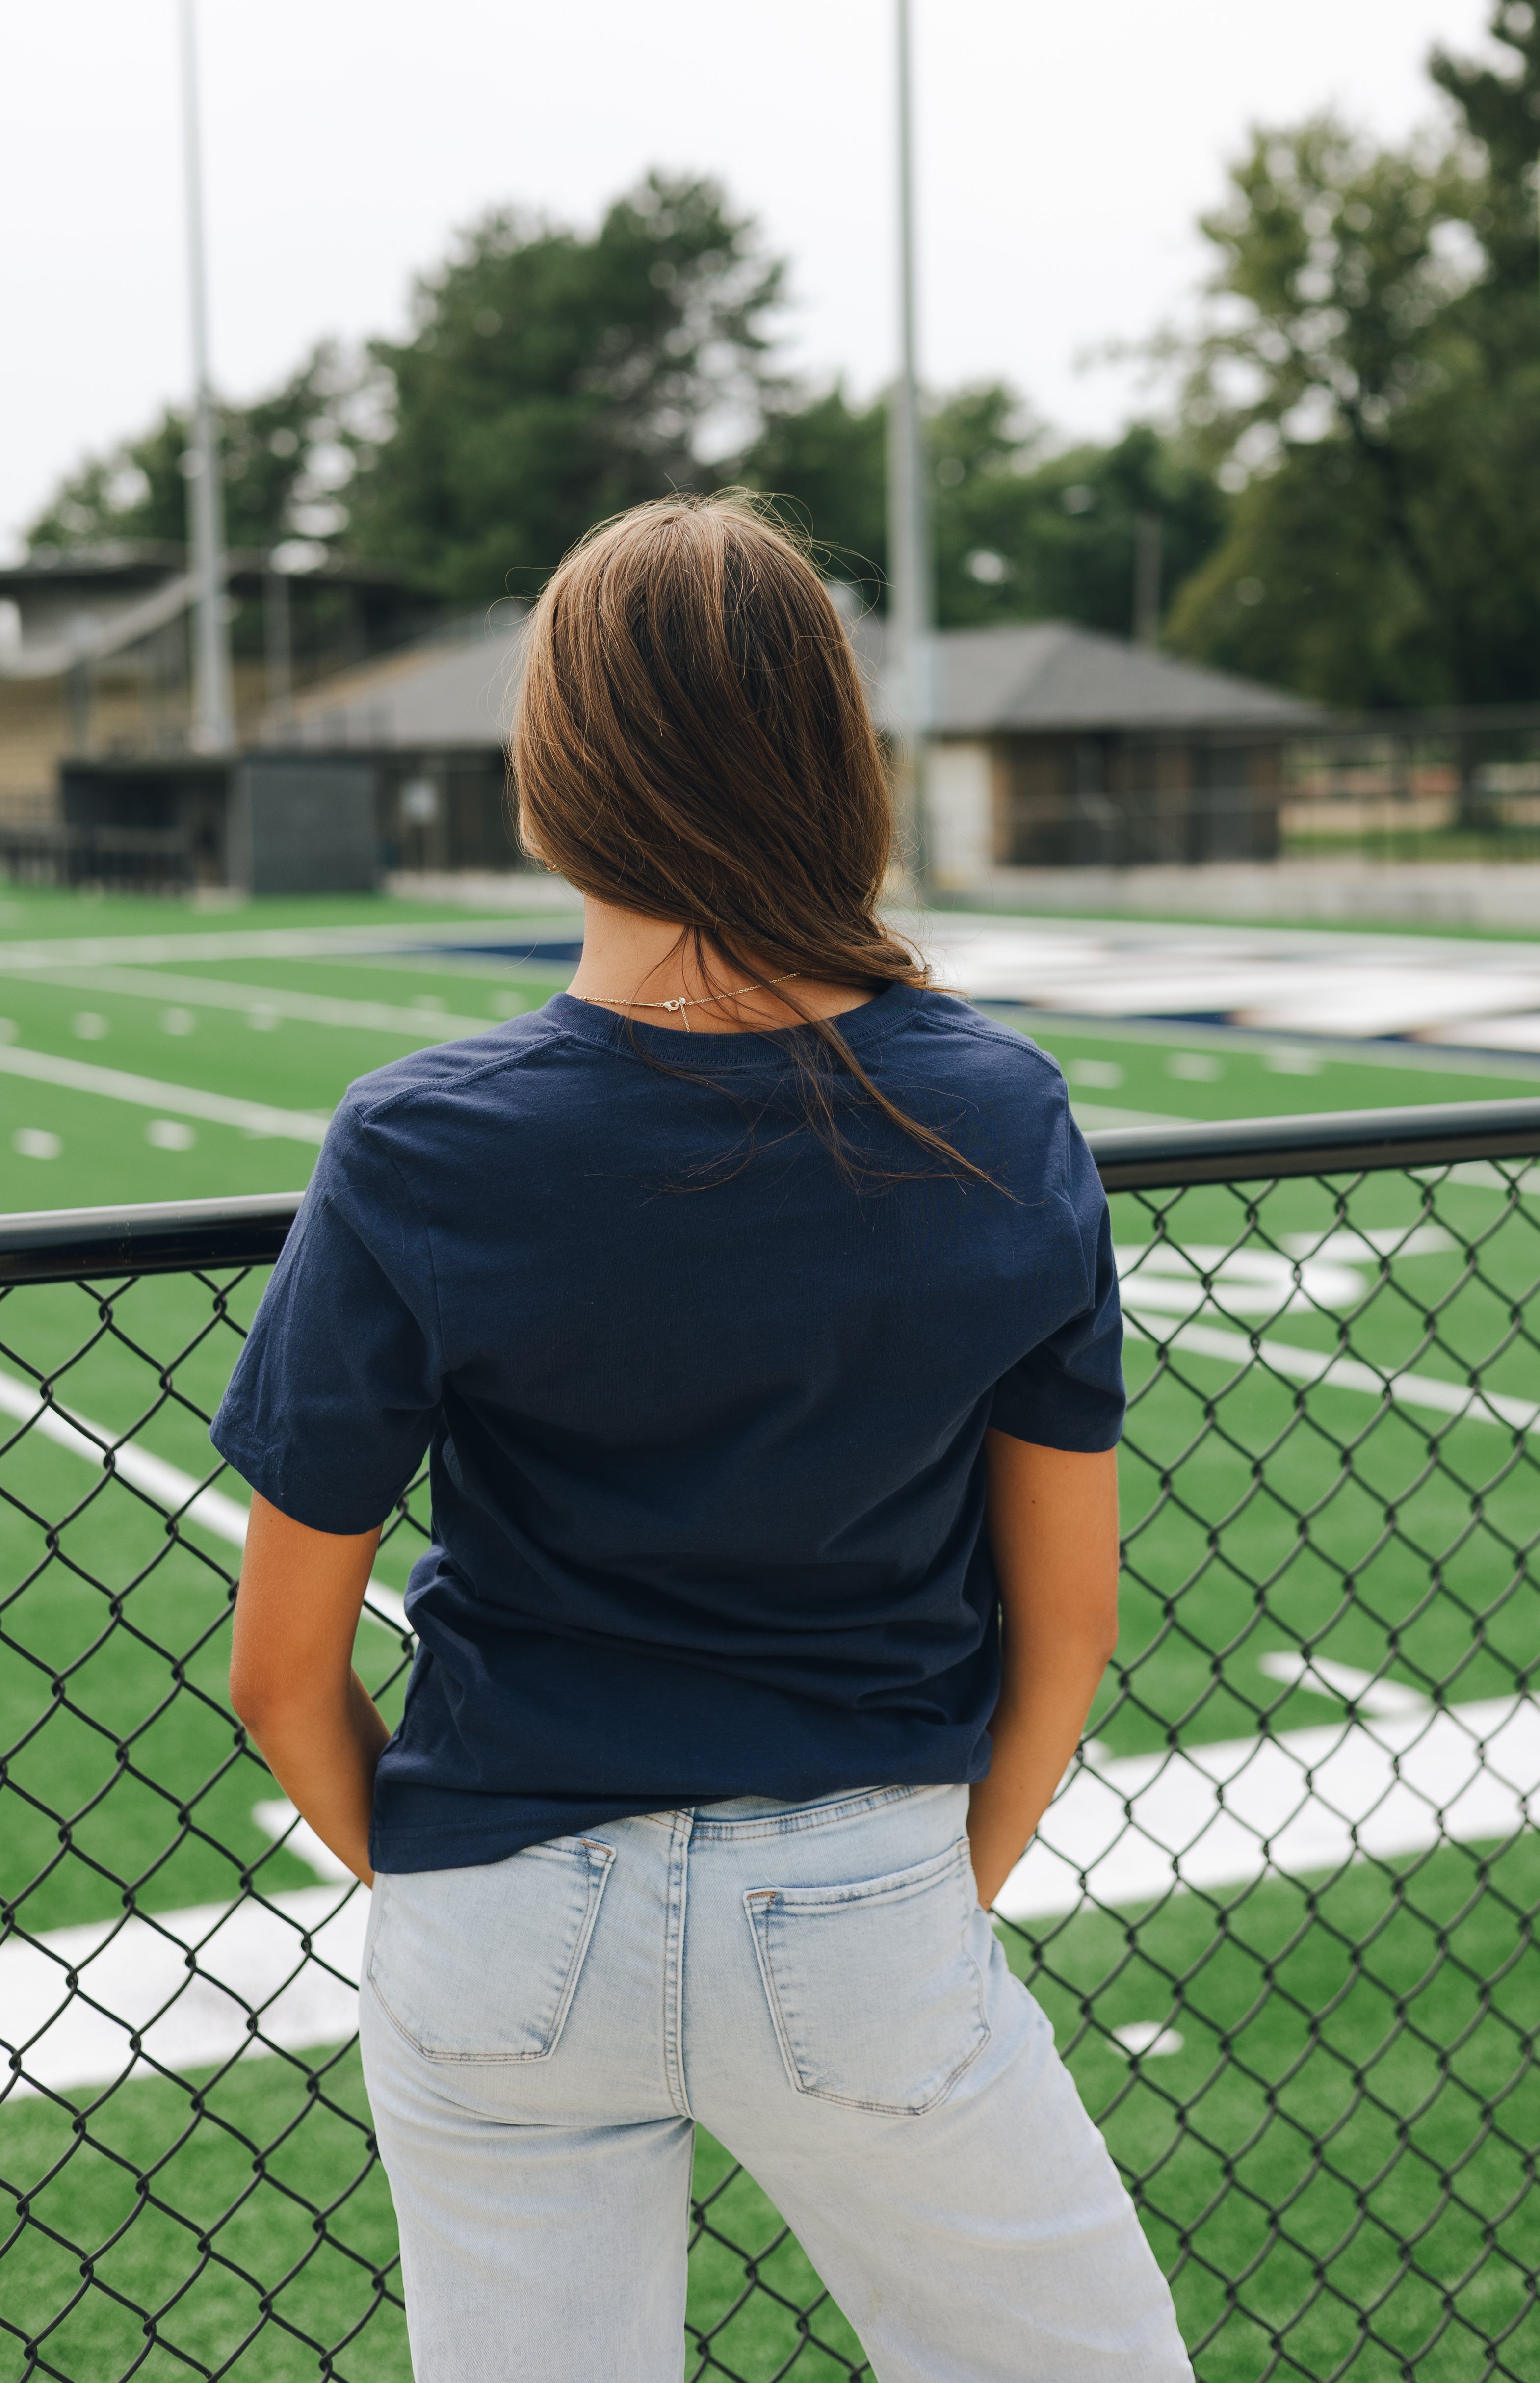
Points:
(482, 1964)
(876, 1998)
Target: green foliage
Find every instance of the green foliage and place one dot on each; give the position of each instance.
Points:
(1370, 390)
(826, 460)
(1500, 111)
(1348, 501)
(1022, 539)
(552, 380)
(283, 458)
(1020, 533)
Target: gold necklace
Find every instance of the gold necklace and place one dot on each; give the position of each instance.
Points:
(685, 1002)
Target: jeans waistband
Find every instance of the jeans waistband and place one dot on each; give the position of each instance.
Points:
(764, 1815)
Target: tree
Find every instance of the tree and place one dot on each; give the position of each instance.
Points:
(1021, 532)
(553, 378)
(1499, 111)
(1035, 534)
(284, 460)
(826, 460)
(1335, 284)
(1370, 387)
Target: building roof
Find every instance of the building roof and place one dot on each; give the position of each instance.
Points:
(87, 603)
(1042, 675)
(1035, 678)
(448, 690)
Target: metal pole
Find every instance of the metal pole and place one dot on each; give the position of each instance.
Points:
(279, 648)
(909, 566)
(213, 720)
(1147, 579)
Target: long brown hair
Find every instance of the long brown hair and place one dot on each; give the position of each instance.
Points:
(691, 740)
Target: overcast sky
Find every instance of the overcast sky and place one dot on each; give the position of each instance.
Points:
(1065, 151)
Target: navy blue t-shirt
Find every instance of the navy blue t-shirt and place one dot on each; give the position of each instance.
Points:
(706, 1416)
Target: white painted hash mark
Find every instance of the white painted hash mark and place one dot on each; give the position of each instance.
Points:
(265, 1007)
(1149, 2039)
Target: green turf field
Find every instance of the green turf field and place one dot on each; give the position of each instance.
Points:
(1337, 2157)
(293, 1032)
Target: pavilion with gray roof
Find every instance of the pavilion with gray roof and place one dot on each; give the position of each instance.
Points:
(1051, 744)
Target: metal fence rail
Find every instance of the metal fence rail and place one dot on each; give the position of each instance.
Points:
(1281, 1913)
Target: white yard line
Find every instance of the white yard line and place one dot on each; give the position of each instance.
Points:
(420, 1024)
(133, 1978)
(1332, 1371)
(1129, 1831)
(1132, 1830)
(179, 1100)
(178, 1492)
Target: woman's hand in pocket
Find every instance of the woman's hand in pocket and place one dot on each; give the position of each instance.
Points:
(1052, 1524)
(292, 1676)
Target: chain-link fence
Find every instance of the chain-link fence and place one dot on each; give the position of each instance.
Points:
(1281, 1913)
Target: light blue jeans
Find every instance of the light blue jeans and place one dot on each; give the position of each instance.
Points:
(817, 1985)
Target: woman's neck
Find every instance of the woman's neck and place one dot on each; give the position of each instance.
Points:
(632, 966)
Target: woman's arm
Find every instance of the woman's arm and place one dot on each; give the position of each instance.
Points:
(1052, 1524)
(292, 1676)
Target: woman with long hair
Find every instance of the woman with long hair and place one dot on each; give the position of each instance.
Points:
(754, 1302)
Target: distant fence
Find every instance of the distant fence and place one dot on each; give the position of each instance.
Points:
(130, 859)
(1393, 785)
(1281, 1914)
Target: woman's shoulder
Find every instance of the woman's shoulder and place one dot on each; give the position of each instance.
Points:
(451, 1071)
(985, 1048)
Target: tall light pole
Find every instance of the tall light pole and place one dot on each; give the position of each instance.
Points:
(912, 644)
(213, 720)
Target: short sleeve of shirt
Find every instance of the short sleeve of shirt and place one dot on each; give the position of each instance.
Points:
(334, 1395)
(1068, 1392)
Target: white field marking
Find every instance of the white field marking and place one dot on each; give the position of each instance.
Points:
(131, 1977)
(1326, 1678)
(1363, 1002)
(143, 1092)
(1338, 984)
(1129, 1832)
(280, 942)
(420, 1023)
(1335, 1372)
(36, 1142)
(476, 966)
(1310, 1272)
(1145, 1825)
(1376, 1242)
(1148, 2039)
(170, 1487)
(1198, 1278)
(1480, 1175)
(1520, 1032)
(283, 1825)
